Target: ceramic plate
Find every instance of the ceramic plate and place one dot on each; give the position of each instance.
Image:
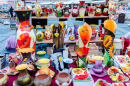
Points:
(98, 75)
(6, 71)
(118, 84)
(97, 82)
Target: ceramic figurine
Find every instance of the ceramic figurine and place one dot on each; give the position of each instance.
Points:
(37, 9)
(44, 68)
(105, 11)
(91, 12)
(39, 33)
(82, 9)
(48, 33)
(25, 35)
(75, 11)
(76, 26)
(42, 80)
(45, 12)
(94, 32)
(51, 12)
(3, 79)
(24, 78)
(59, 10)
(26, 56)
(109, 47)
(63, 79)
(66, 12)
(85, 33)
(98, 11)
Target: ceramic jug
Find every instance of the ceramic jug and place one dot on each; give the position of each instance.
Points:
(48, 32)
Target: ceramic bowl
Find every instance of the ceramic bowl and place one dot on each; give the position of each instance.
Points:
(63, 79)
(42, 80)
(3, 79)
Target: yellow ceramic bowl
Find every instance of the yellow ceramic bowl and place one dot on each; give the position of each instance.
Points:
(41, 52)
(21, 66)
(44, 60)
(98, 58)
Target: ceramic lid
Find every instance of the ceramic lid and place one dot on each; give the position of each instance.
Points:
(98, 58)
(21, 66)
(26, 50)
(41, 52)
(44, 60)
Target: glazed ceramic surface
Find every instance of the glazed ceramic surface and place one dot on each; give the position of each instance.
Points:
(45, 12)
(59, 11)
(75, 11)
(3, 79)
(25, 35)
(98, 11)
(91, 12)
(51, 12)
(37, 9)
(63, 79)
(76, 26)
(105, 11)
(39, 34)
(82, 9)
(42, 80)
(66, 12)
(48, 32)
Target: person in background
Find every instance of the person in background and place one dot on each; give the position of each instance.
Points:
(11, 11)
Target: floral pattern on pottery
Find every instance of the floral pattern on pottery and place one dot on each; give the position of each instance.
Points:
(39, 34)
(48, 33)
(76, 26)
(75, 12)
(37, 9)
(82, 9)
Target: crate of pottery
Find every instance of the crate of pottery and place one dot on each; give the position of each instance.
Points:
(2, 60)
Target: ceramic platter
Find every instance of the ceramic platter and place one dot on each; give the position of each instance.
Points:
(98, 75)
(97, 82)
(8, 72)
(118, 84)
(31, 83)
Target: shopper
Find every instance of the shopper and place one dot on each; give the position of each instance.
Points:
(11, 11)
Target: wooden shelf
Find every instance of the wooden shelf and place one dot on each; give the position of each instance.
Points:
(34, 17)
(75, 41)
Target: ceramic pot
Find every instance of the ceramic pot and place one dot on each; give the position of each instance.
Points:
(37, 9)
(98, 11)
(42, 80)
(25, 35)
(39, 33)
(75, 11)
(76, 26)
(82, 9)
(105, 11)
(63, 79)
(31, 69)
(45, 12)
(59, 11)
(3, 79)
(51, 12)
(26, 56)
(24, 78)
(66, 12)
(91, 12)
(48, 32)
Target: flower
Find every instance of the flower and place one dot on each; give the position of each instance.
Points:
(82, 3)
(121, 60)
(128, 65)
(34, 47)
(110, 9)
(115, 4)
(82, 52)
(83, 68)
(87, 9)
(113, 10)
(50, 10)
(107, 41)
(125, 69)
(19, 4)
(72, 38)
(111, 51)
(46, 10)
(24, 40)
(82, 77)
(128, 53)
(91, 10)
(25, 26)
(56, 5)
(57, 34)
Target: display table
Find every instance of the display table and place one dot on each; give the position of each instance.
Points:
(12, 78)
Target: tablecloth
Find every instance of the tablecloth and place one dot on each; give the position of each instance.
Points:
(12, 78)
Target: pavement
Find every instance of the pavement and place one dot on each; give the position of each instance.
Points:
(5, 32)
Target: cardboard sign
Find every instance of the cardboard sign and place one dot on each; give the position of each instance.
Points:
(12, 23)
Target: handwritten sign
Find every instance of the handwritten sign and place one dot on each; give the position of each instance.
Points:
(12, 22)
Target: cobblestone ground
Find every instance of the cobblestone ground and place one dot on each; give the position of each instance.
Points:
(5, 32)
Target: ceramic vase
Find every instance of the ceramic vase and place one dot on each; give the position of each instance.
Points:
(63, 79)
(82, 9)
(66, 12)
(59, 11)
(98, 11)
(37, 9)
(94, 32)
(76, 26)
(24, 78)
(48, 32)
(51, 12)
(39, 33)
(105, 11)
(75, 11)
(42, 80)
(3, 79)
(91, 12)
(45, 12)
(26, 56)
(25, 35)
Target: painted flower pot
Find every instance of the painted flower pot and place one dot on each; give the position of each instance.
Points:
(82, 9)
(76, 26)
(59, 11)
(66, 12)
(37, 9)
(39, 33)
(42, 80)
(105, 11)
(25, 35)
(91, 12)
(48, 32)
(63, 79)
(75, 11)
(51, 12)
(98, 11)
(45, 12)
(24, 78)
(3, 79)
